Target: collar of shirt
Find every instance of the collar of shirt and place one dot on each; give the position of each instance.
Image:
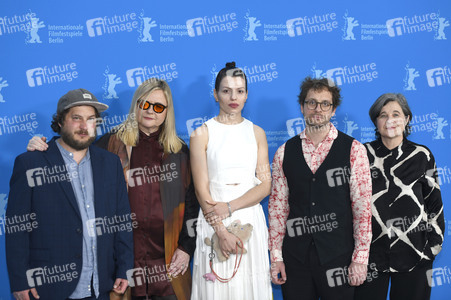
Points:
(69, 155)
(382, 150)
(153, 135)
(332, 135)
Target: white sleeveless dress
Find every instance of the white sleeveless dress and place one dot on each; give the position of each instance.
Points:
(231, 159)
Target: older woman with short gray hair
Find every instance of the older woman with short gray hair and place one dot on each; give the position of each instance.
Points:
(407, 207)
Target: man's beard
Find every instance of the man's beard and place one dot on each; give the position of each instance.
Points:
(68, 138)
(309, 122)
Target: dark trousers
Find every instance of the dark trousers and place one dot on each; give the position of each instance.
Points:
(170, 297)
(404, 285)
(311, 281)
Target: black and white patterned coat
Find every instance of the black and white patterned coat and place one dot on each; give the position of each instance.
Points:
(408, 221)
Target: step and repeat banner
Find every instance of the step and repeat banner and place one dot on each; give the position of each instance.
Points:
(111, 47)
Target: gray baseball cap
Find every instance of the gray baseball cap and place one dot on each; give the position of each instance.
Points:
(79, 97)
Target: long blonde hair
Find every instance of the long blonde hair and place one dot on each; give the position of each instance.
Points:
(128, 131)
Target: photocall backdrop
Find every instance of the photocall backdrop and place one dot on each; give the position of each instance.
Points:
(110, 47)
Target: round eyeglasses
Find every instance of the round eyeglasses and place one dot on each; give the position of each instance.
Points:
(313, 104)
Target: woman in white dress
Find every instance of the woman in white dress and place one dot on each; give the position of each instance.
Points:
(229, 160)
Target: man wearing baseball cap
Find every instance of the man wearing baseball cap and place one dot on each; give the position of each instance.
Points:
(72, 199)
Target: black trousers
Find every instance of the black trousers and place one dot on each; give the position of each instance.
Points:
(404, 285)
(311, 281)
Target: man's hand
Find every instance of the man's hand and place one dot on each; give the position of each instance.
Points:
(24, 295)
(179, 263)
(120, 285)
(277, 268)
(357, 273)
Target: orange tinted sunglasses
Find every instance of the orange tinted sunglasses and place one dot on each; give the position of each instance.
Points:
(157, 107)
